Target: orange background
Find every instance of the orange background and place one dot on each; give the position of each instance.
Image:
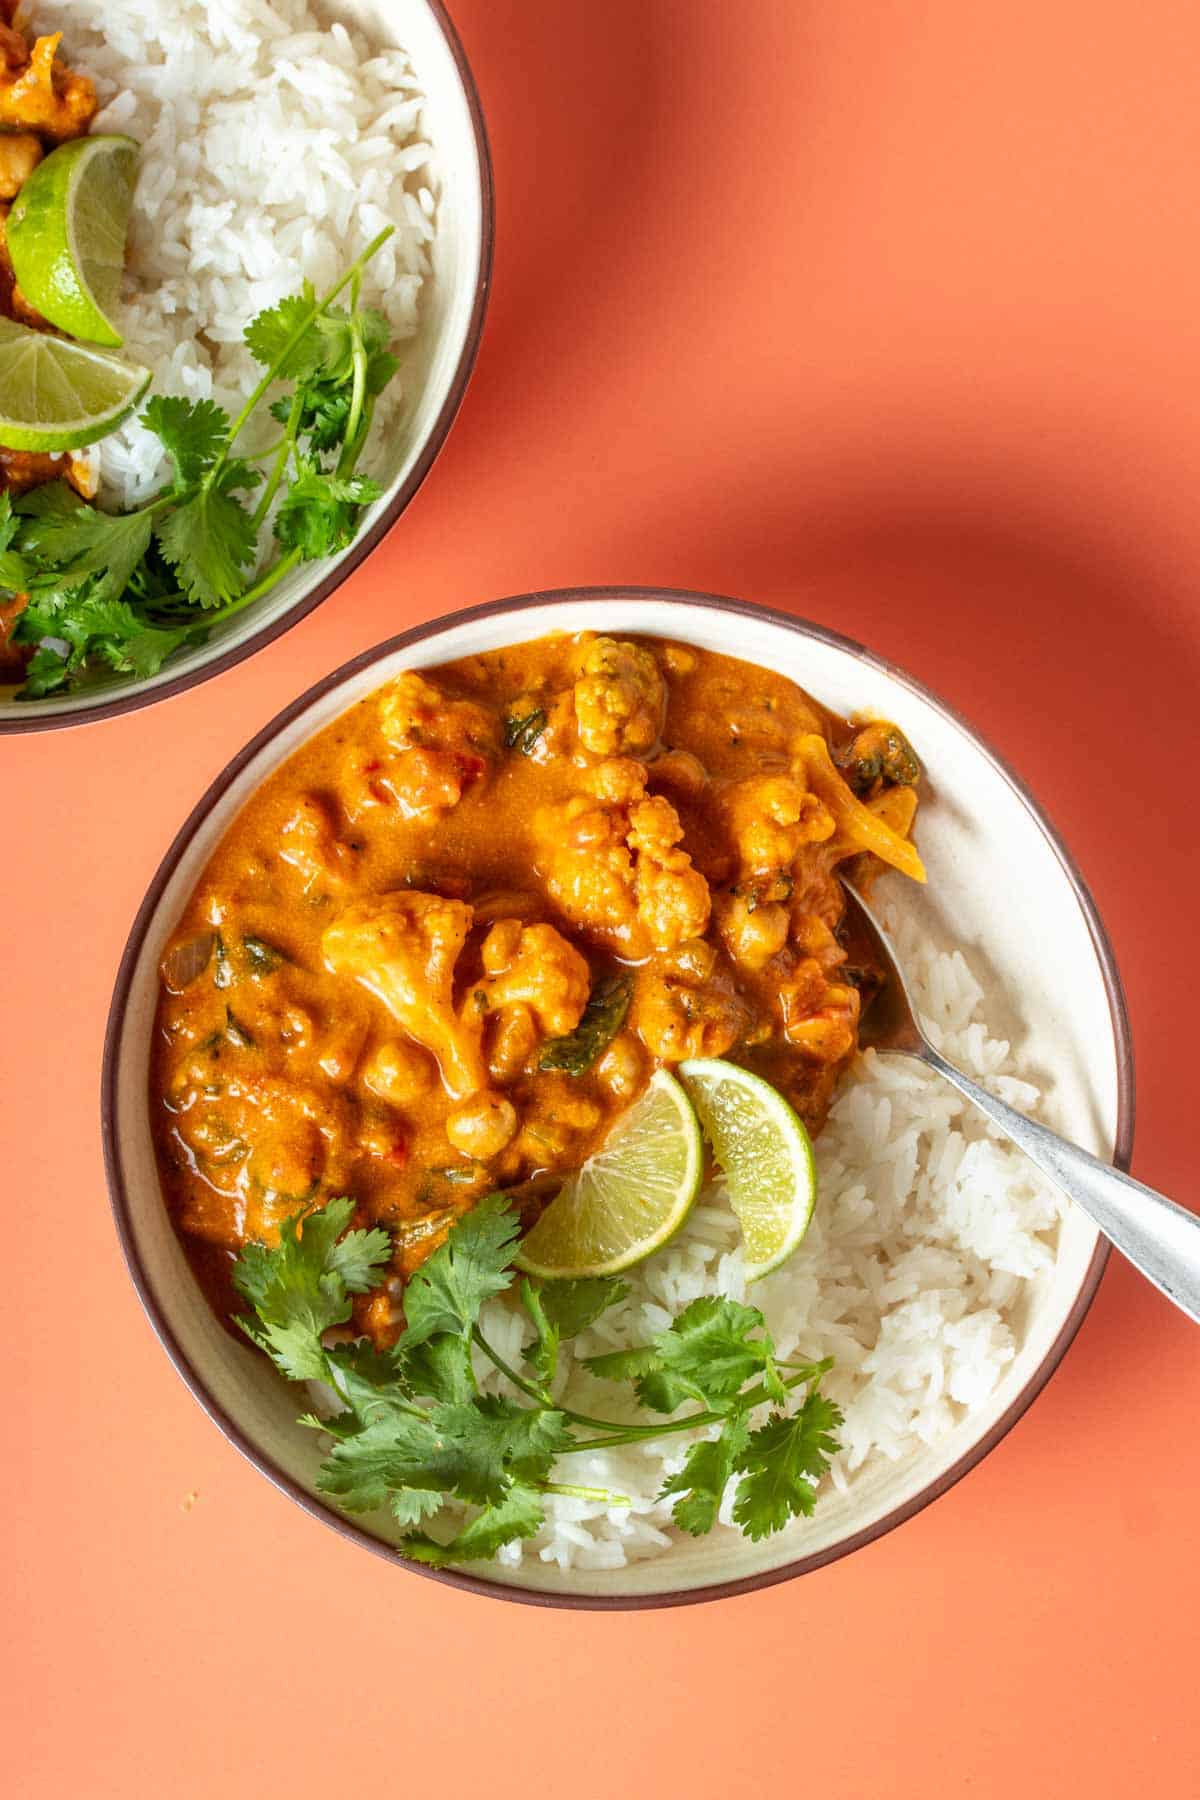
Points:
(886, 313)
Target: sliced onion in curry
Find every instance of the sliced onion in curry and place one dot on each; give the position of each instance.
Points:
(186, 961)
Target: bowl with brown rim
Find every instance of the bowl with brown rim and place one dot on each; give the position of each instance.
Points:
(436, 368)
(1046, 960)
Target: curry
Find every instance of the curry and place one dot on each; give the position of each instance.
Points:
(446, 945)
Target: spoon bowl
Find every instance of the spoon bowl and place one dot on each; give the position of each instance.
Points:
(1158, 1237)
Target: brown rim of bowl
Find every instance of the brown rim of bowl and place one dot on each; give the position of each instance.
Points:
(12, 718)
(477, 1584)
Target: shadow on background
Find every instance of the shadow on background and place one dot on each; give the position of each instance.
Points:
(1068, 651)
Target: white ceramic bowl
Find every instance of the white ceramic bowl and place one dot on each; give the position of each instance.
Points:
(1000, 883)
(437, 366)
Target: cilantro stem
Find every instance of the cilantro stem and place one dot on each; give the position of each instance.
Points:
(262, 586)
(757, 1396)
(284, 449)
(271, 374)
(584, 1493)
(543, 1399)
(358, 392)
(549, 1404)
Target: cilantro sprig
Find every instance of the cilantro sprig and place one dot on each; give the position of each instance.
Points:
(122, 592)
(415, 1436)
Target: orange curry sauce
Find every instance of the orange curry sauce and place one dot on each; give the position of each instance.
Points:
(359, 995)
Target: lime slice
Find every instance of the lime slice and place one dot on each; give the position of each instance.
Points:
(66, 235)
(60, 396)
(766, 1155)
(627, 1199)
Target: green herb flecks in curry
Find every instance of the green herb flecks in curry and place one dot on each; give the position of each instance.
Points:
(441, 951)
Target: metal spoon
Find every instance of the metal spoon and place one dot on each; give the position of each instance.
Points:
(1159, 1238)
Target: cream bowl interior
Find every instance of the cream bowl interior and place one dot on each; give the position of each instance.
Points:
(436, 363)
(999, 884)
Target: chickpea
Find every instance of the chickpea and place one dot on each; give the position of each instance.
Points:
(680, 772)
(677, 660)
(694, 960)
(752, 934)
(500, 945)
(482, 1126)
(813, 936)
(399, 1073)
(620, 1068)
(513, 1041)
(20, 154)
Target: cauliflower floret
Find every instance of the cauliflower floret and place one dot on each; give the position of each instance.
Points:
(413, 713)
(556, 1122)
(771, 817)
(614, 866)
(310, 845)
(403, 947)
(588, 869)
(438, 748)
(673, 897)
(44, 95)
(532, 966)
(679, 1011)
(620, 698)
(619, 780)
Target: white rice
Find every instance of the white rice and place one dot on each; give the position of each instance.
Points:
(274, 148)
(926, 1233)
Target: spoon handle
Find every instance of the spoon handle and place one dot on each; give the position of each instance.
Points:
(1159, 1238)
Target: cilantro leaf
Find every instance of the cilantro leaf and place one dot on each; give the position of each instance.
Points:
(782, 1463)
(14, 571)
(519, 1515)
(301, 1286)
(706, 1472)
(573, 1305)
(55, 498)
(210, 538)
(448, 1290)
(412, 1505)
(708, 1354)
(709, 1351)
(319, 513)
(562, 1309)
(439, 1368)
(625, 1365)
(93, 629)
(471, 1451)
(193, 432)
(285, 338)
(602, 1018)
(366, 1380)
(521, 732)
(343, 332)
(45, 673)
(74, 542)
(494, 1438)
(399, 1450)
(359, 1258)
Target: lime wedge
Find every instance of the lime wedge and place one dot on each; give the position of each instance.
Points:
(66, 235)
(60, 396)
(766, 1155)
(627, 1199)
